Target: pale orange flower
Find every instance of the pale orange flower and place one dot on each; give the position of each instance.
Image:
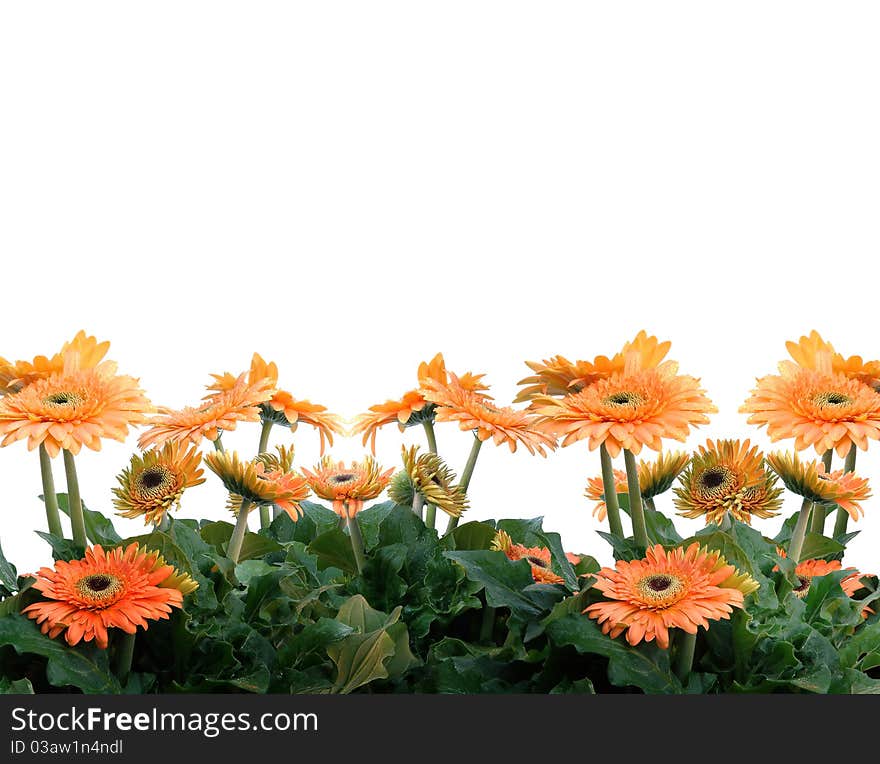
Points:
(399, 412)
(538, 557)
(815, 353)
(221, 412)
(474, 412)
(71, 409)
(681, 588)
(557, 376)
(596, 492)
(823, 411)
(282, 408)
(82, 352)
(628, 411)
(121, 588)
(348, 486)
(807, 570)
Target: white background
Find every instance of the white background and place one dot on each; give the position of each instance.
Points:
(348, 188)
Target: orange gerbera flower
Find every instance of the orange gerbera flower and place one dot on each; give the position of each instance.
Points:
(655, 478)
(473, 411)
(728, 476)
(82, 352)
(596, 491)
(71, 409)
(628, 411)
(282, 408)
(121, 588)
(821, 410)
(815, 353)
(434, 372)
(807, 570)
(538, 557)
(154, 482)
(221, 412)
(348, 487)
(557, 376)
(268, 479)
(683, 588)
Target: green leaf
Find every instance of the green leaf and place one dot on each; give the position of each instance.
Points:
(314, 638)
(333, 548)
(254, 545)
(15, 687)
(246, 571)
(62, 549)
(357, 613)
(85, 667)
(505, 582)
(470, 536)
(371, 518)
(99, 530)
(360, 659)
(817, 546)
(8, 574)
(646, 666)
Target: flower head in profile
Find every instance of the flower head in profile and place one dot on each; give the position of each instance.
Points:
(428, 475)
(558, 377)
(628, 411)
(812, 482)
(282, 408)
(502, 425)
(122, 588)
(153, 482)
(82, 352)
(538, 557)
(812, 352)
(220, 412)
(727, 476)
(655, 478)
(682, 588)
(258, 484)
(819, 410)
(73, 408)
(348, 486)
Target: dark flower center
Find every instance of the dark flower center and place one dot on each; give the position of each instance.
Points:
(659, 583)
(345, 477)
(98, 587)
(537, 561)
(98, 583)
(152, 478)
(802, 589)
(833, 398)
(62, 399)
(623, 398)
(712, 478)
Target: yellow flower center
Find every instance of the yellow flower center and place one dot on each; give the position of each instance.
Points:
(65, 398)
(624, 398)
(99, 587)
(660, 587)
(832, 398)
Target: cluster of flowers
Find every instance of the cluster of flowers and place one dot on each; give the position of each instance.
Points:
(619, 404)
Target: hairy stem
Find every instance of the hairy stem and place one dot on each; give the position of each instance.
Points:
(796, 545)
(50, 498)
(466, 475)
(241, 525)
(612, 506)
(74, 502)
(640, 529)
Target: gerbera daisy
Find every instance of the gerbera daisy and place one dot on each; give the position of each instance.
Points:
(473, 411)
(428, 475)
(628, 411)
(810, 480)
(655, 478)
(71, 409)
(825, 411)
(153, 482)
(815, 353)
(807, 570)
(121, 588)
(403, 412)
(221, 412)
(538, 557)
(348, 486)
(727, 476)
(82, 352)
(282, 408)
(680, 588)
(253, 483)
(434, 373)
(558, 377)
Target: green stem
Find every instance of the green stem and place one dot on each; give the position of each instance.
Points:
(796, 545)
(418, 503)
(429, 434)
(466, 475)
(726, 523)
(640, 529)
(487, 626)
(684, 657)
(74, 502)
(817, 524)
(241, 526)
(265, 517)
(164, 525)
(218, 444)
(264, 437)
(124, 655)
(50, 498)
(357, 543)
(842, 518)
(649, 503)
(609, 489)
(431, 515)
